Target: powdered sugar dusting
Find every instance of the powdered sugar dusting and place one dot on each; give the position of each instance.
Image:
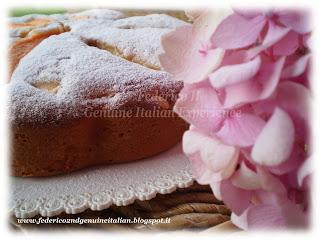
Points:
(99, 13)
(152, 20)
(83, 25)
(137, 38)
(142, 44)
(88, 77)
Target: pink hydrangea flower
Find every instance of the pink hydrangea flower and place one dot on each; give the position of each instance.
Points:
(246, 96)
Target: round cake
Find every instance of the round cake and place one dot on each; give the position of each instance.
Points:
(93, 95)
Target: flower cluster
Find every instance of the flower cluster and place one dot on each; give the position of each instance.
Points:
(246, 96)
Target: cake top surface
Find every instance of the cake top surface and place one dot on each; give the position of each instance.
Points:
(21, 26)
(151, 20)
(140, 45)
(100, 63)
(136, 38)
(98, 13)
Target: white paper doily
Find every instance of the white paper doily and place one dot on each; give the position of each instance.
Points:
(100, 187)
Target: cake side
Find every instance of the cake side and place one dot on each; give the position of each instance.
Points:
(45, 151)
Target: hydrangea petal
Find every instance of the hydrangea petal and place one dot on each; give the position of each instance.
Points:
(206, 24)
(200, 171)
(274, 34)
(291, 213)
(274, 144)
(227, 75)
(201, 107)
(237, 32)
(270, 183)
(203, 174)
(240, 221)
(306, 39)
(285, 214)
(191, 44)
(297, 20)
(214, 154)
(258, 88)
(265, 216)
(249, 13)
(197, 62)
(230, 195)
(176, 45)
(231, 167)
(215, 186)
(297, 68)
(295, 159)
(244, 92)
(241, 130)
(246, 178)
(295, 99)
(193, 14)
(232, 57)
(304, 171)
(269, 77)
(287, 45)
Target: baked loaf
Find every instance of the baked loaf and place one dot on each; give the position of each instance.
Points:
(85, 98)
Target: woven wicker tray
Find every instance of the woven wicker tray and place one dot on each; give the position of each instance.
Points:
(194, 208)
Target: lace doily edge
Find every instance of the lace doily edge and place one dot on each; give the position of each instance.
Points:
(122, 196)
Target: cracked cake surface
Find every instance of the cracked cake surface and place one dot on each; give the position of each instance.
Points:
(83, 73)
(28, 31)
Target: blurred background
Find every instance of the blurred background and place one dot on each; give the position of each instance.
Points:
(21, 11)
